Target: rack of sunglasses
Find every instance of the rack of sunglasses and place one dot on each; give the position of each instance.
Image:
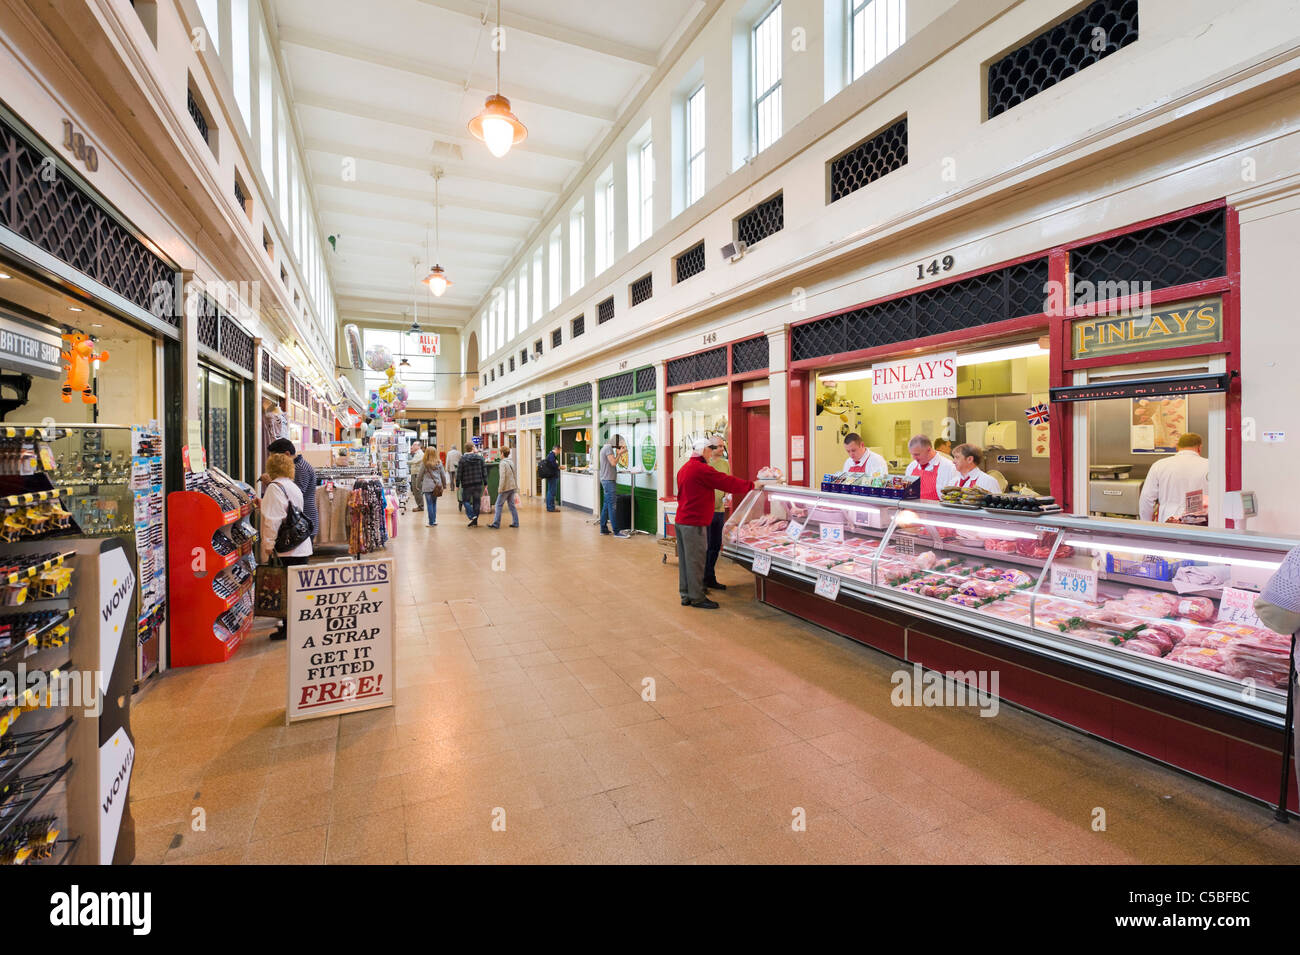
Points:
(146, 483)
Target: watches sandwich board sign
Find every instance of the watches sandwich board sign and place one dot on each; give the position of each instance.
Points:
(341, 639)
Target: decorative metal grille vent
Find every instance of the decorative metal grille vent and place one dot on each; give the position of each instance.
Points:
(642, 289)
(690, 262)
(534, 405)
(1185, 250)
(605, 311)
(749, 356)
(196, 114)
(573, 395)
(762, 220)
(702, 367)
(490, 415)
(277, 375)
(578, 326)
(869, 160)
(236, 344)
(557, 338)
(645, 380)
(1074, 44)
(616, 386)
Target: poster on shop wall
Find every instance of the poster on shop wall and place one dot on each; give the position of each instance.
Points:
(341, 640)
(1040, 435)
(1157, 424)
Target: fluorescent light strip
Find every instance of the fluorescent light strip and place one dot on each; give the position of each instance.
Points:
(817, 502)
(1177, 555)
(982, 531)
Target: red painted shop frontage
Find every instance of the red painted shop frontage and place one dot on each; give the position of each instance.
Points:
(1076, 370)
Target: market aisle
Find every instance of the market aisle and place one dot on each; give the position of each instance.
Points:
(520, 688)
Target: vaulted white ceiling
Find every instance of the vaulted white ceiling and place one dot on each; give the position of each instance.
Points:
(391, 84)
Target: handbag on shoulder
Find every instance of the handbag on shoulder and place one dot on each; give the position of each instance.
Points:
(294, 529)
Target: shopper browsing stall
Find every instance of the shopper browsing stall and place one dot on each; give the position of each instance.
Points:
(415, 463)
(453, 462)
(861, 459)
(433, 480)
(507, 490)
(551, 475)
(967, 458)
(696, 484)
(718, 461)
(932, 468)
(471, 477)
(282, 510)
(1177, 488)
(304, 476)
(611, 454)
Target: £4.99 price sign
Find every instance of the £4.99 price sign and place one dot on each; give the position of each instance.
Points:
(1075, 582)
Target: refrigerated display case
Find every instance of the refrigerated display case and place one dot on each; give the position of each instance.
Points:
(1125, 615)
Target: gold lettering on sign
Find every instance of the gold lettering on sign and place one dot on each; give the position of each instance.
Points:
(1189, 323)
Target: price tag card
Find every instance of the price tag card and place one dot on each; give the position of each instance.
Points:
(1238, 606)
(828, 586)
(1075, 583)
(793, 530)
(833, 533)
(1194, 502)
(905, 545)
(762, 564)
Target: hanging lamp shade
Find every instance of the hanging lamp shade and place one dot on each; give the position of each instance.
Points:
(497, 126)
(437, 281)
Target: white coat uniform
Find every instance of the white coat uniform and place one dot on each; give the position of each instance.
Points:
(1169, 482)
(870, 465)
(980, 479)
(947, 472)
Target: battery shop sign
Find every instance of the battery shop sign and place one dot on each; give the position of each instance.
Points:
(923, 378)
(1191, 323)
(341, 638)
(29, 348)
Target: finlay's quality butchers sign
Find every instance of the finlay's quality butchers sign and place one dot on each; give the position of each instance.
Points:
(923, 378)
(1188, 323)
(340, 636)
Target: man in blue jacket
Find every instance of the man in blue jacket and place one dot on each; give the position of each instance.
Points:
(551, 474)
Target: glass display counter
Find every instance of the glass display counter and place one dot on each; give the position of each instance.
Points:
(1160, 606)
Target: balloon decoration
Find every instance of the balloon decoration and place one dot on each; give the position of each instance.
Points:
(390, 397)
(352, 335)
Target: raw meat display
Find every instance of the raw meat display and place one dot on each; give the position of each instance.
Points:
(1164, 636)
(1204, 658)
(1109, 620)
(1197, 608)
(1001, 545)
(1138, 645)
(1264, 658)
(983, 588)
(966, 600)
(1145, 603)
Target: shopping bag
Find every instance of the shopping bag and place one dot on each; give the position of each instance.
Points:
(484, 503)
(271, 589)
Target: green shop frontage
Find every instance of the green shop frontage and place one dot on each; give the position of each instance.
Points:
(569, 425)
(627, 408)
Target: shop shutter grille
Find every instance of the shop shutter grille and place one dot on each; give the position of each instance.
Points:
(702, 367)
(645, 380)
(55, 215)
(535, 405)
(1173, 253)
(749, 356)
(573, 395)
(557, 338)
(869, 160)
(762, 220)
(208, 323)
(979, 300)
(578, 326)
(236, 344)
(196, 114)
(277, 375)
(617, 386)
(690, 262)
(642, 289)
(605, 311)
(266, 366)
(1060, 52)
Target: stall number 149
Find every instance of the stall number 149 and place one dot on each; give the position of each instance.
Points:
(935, 267)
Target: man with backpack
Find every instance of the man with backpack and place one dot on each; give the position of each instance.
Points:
(548, 469)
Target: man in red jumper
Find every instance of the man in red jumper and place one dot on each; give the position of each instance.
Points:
(696, 482)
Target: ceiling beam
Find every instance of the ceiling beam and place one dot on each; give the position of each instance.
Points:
(451, 169)
(479, 86)
(361, 212)
(357, 238)
(397, 117)
(588, 42)
(422, 197)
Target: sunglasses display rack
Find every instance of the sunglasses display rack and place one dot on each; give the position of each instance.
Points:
(146, 483)
(208, 528)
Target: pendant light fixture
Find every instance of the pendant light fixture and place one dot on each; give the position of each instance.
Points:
(415, 328)
(495, 125)
(436, 279)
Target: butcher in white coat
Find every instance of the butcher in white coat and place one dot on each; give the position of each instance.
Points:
(1172, 480)
(967, 458)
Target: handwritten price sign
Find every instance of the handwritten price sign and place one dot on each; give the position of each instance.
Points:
(1238, 606)
(833, 533)
(828, 586)
(793, 530)
(762, 564)
(1074, 583)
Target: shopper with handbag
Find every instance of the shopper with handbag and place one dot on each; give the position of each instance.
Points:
(507, 489)
(471, 478)
(286, 530)
(415, 464)
(433, 482)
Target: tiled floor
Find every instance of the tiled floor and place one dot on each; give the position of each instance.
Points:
(520, 693)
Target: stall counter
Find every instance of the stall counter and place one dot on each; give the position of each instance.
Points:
(578, 489)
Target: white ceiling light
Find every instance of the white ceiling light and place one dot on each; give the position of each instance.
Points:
(436, 279)
(495, 124)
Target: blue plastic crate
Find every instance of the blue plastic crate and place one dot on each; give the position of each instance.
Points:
(1149, 566)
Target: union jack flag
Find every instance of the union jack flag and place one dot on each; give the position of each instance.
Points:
(1038, 414)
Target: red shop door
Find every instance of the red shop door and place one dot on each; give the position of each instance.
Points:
(758, 448)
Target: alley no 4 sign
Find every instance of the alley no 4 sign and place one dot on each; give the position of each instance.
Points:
(340, 635)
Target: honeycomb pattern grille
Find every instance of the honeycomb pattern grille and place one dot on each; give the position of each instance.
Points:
(645, 380)
(266, 366)
(705, 366)
(209, 323)
(236, 344)
(56, 215)
(490, 416)
(979, 300)
(761, 221)
(557, 338)
(196, 114)
(534, 405)
(1185, 250)
(641, 290)
(239, 196)
(869, 160)
(749, 356)
(605, 311)
(523, 357)
(577, 326)
(277, 375)
(690, 262)
(1074, 44)
(573, 395)
(617, 386)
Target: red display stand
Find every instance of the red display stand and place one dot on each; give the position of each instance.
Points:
(193, 521)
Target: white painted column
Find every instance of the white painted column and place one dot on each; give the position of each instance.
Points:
(663, 453)
(779, 405)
